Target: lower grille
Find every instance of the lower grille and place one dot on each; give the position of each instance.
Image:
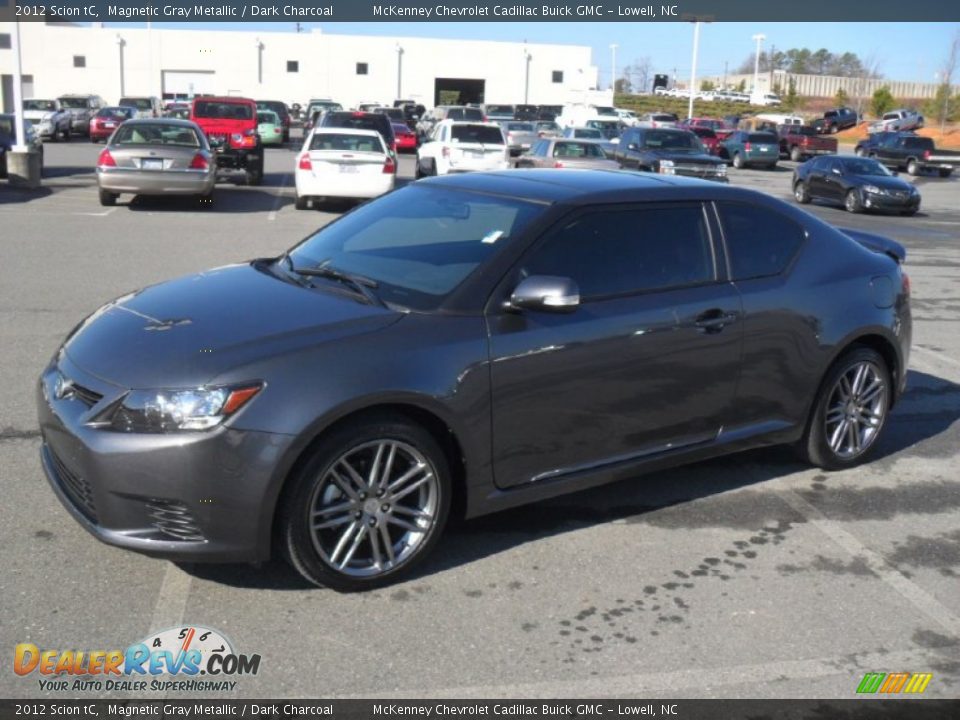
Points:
(85, 395)
(75, 487)
(174, 520)
(698, 170)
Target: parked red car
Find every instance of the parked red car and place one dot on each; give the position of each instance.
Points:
(107, 120)
(707, 137)
(406, 138)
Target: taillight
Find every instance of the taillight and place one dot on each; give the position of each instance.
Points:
(393, 146)
(199, 162)
(305, 163)
(905, 283)
(106, 159)
(926, 154)
(558, 164)
(445, 152)
(746, 146)
(389, 167)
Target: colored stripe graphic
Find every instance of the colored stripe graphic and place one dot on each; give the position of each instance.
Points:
(918, 683)
(893, 683)
(871, 683)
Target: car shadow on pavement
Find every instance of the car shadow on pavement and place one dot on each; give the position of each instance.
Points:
(226, 200)
(62, 171)
(663, 499)
(9, 195)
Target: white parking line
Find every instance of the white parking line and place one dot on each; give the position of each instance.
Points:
(171, 601)
(280, 195)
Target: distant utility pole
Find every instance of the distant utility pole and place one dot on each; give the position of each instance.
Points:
(724, 74)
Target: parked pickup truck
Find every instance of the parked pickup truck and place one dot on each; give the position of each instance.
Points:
(897, 120)
(915, 154)
(835, 120)
(799, 142)
(669, 151)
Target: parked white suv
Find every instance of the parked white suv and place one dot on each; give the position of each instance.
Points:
(457, 146)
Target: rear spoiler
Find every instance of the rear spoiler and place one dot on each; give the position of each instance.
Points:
(878, 244)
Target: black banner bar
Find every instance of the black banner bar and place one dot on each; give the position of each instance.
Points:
(853, 709)
(477, 11)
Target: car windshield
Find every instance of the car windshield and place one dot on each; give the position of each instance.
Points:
(115, 112)
(499, 109)
(918, 143)
(222, 110)
(547, 126)
(484, 134)
(520, 127)
(603, 110)
(664, 117)
(864, 166)
(418, 243)
(275, 106)
(703, 132)
(763, 138)
(802, 130)
(46, 105)
(74, 103)
(138, 103)
(588, 134)
(346, 141)
(671, 140)
(156, 134)
(266, 117)
(464, 114)
(578, 150)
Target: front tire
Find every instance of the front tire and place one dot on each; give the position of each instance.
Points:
(849, 412)
(801, 193)
(738, 161)
(368, 505)
(852, 202)
(255, 174)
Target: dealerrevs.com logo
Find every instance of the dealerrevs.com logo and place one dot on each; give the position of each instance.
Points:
(186, 659)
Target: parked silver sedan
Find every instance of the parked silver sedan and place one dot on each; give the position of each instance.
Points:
(160, 156)
(561, 153)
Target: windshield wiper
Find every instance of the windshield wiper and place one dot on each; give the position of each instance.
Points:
(359, 283)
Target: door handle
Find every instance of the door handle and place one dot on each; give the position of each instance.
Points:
(713, 321)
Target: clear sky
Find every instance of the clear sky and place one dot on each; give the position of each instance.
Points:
(905, 51)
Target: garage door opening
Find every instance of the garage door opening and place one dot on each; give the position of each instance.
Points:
(457, 91)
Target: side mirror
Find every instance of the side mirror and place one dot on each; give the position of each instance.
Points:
(836, 171)
(633, 146)
(546, 293)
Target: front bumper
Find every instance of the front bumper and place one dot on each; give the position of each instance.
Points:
(873, 201)
(199, 496)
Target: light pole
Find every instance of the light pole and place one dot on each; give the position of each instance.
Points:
(759, 37)
(21, 140)
(120, 43)
(693, 67)
(613, 68)
(399, 72)
(259, 46)
(527, 57)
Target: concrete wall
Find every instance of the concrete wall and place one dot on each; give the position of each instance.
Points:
(327, 64)
(826, 86)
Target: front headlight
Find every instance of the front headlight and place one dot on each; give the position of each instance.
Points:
(164, 411)
(666, 163)
(872, 189)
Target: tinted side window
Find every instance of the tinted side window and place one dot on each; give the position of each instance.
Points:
(614, 253)
(760, 242)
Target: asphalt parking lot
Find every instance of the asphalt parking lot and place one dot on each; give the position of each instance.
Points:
(751, 576)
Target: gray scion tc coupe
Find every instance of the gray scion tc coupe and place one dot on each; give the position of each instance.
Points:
(468, 344)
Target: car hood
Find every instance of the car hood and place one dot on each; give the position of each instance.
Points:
(186, 332)
(881, 181)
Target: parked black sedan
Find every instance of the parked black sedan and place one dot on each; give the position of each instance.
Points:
(468, 343)
(858, 183)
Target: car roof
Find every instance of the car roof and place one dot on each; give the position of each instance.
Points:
(162, 121)
(590, 186)
(329, 130)
(218, 98)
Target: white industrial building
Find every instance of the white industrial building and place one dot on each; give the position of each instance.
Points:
(290, 66)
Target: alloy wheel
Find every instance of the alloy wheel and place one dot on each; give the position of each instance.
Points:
(856, 410)
(373, 508)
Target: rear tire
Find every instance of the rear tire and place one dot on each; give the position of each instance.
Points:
(913, 167)
(314, 492)
(205, 201)
(795, 154)
(834, 129)
(945, 173)
(829, 441)
(859, 152)
(301, 203)
(108, 199)
(738, 161)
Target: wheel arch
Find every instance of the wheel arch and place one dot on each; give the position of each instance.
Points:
(415, 412)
